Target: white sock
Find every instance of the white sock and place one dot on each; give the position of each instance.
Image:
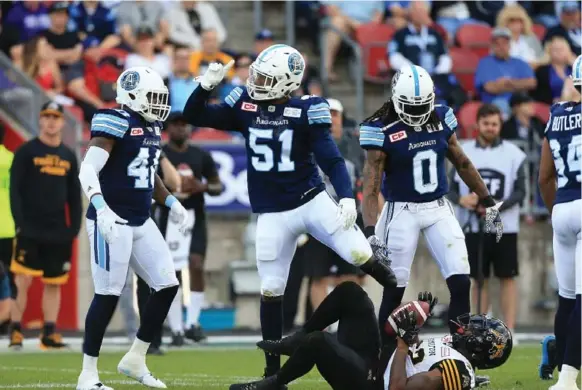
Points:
(90, 363)
(139, 347)
(196, 301)
(175, 314)
(568, 375)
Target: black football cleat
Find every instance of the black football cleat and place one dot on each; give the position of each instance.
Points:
(156, 351)
(482, 380)
(285, 347)
(52, 341)
(195, 334)
(177, 340)
(269, 383)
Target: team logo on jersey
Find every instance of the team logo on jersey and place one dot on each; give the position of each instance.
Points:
(249, 107)
(136, 131)
(398, 136)
(271, 108)
(296, 64)
(129, 80)
(292, 112)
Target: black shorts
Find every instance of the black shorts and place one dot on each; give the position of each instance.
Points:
(322, 262)
(51, 261)
(199, 240)
(6, 249)
(502, 255)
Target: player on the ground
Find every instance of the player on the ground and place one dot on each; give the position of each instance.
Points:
(407, 141)
(118, 175)
(351, 360)
(560, 181)
(286, 139)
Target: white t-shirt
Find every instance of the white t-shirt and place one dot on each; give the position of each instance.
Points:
(161, 63)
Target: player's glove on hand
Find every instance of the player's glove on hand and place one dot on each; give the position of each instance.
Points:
(406, 328)
(214, 75)
(428, 298)
(107, 222)
(179, 215)
(493, 218)
(347, 213)
(379, 249)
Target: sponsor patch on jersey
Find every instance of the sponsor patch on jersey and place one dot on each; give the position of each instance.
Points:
(292, 112)
(249, 107)
(432, 129)
(398, 136)
(136, 131)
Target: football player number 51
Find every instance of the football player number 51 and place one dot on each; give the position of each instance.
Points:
(264, 160)
(141, 169)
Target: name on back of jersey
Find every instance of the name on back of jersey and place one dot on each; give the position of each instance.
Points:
(567, 122)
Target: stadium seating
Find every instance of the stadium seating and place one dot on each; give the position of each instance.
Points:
(476, 37)
(465, 62)
(467, 119)
(540, 31)
(542, 111)
(374, 38)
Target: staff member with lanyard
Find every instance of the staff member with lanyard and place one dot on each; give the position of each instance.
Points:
(501, 164)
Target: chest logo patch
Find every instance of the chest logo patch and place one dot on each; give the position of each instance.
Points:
(292, 112)
(398, 136)
(249, 107)
(136, 131)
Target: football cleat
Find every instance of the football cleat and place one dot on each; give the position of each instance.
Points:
(134, 366)
(269, 383)
(548, 360)
(286, 346)
(482, 380)
(177, 340)
(155, 350)
(195, 334)
(16, 339)
(89, 380)
(53, 341)
(565, 387)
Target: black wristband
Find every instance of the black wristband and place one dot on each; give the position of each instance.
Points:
(488, 201)
(369, 231)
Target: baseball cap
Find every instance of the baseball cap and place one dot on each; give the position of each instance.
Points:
(52, 108)
(264, 35)
(59, 6)
(144, 31)
(501, 32)
(519, 98)
(335, 105)
(569, 6)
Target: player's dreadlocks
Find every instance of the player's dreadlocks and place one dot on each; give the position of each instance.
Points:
(387, 114)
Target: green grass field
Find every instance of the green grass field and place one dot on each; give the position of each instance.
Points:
(210, 368)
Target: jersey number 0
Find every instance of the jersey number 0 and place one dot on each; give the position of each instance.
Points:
(264, 159)
(422, 163)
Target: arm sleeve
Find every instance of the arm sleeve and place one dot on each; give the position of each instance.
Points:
(74, 197)
(218, 116)
(518, 194)
(94, 161)
(17, 177)
(371, 137)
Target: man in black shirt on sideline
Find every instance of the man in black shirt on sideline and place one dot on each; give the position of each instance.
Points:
(199, 176)
(43, 181)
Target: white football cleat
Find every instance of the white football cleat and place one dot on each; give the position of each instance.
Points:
(560, 387)
(89, 380)
(134, 366)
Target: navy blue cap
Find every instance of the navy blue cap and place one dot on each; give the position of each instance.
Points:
(264, 35)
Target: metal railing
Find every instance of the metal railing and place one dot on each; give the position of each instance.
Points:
(22, 98)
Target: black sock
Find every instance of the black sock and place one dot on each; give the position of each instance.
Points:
(562, 327)
(572, 352)
(302, 360)
(48, 329)
(391, 299)
(155, 313)
(460, 289)
(16, 326)
(98, 318)
(272, 328)
(144, 292)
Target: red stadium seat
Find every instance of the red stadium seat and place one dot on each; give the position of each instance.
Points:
(542, 111)
(464, 64)
(467, 118)
(476, 37)
(374, 38)
(539, 31)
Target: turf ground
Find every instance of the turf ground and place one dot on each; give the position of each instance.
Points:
(210, 368)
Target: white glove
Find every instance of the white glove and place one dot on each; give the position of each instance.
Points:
(347, 213)
(107, 222)
(179, 215)
(214, 75)
(493, 221)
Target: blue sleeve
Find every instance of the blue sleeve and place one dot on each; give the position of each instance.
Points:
(331, 162)
(483, 74)
(218, 116)
(524, 70)
(318, 112)
(109, 124)
(371, 137)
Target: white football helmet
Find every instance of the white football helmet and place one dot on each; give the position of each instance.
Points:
(413, 95)
(142, 89)
(276, 72)
(577, 73)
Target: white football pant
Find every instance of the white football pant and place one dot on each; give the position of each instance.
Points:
(567, 256)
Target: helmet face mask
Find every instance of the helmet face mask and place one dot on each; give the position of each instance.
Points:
(143, 91)
(413, 95)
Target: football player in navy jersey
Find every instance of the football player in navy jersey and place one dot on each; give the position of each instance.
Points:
(118, 175)
(560, 180)
(286, 139)
(407, 141)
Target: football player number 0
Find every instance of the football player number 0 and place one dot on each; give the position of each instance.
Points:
(140, 169)
(264, 159)
(572, 159)
(422, 161)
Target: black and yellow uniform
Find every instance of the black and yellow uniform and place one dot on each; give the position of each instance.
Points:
(43, 180)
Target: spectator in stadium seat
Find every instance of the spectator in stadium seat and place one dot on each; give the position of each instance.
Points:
(67, 50)
(486, 10)
(523, 125)
(96, 26)
(551, 76)
(451, 15)
(263, 39)
(525, 44)
(39, 64)
(145, 53)
(569, 27)
(190, 19)
(397, 13)
(210, 52)
(181, 81)
(29, 18)
(347, 16)
(132, 15)
(10, 40)
(499, 75)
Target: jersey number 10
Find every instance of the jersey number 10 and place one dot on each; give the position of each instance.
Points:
(143, 172)
(264, 160)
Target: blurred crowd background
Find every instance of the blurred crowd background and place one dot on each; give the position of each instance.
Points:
(516, 55)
